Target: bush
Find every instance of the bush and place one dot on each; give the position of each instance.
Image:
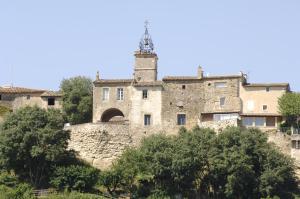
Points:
(75, 177)
(21, 191)
(8, 179)
(73, 195)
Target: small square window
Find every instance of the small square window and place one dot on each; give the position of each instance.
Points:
(51, 101)
(222, 101)
(183, 87)
(265, 107)
(181, 119)
(147, 120)
(267, 89)
(145, 94)
(28, 97)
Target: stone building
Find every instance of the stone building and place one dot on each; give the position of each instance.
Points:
(126, 110)
(149, 105)
(17, 97)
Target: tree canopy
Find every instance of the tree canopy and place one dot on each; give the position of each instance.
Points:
(238, 163)
(32, 140)
(77, 99)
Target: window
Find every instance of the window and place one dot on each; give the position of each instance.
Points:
(120, 94)
(267, 89)
(265, 107)
(222, 101)
(227, 116)
(0, 97)
(51, 101)
(183, 87)
(145, 94)
(260, 121)
(296, 144)
(105, 94)
(220, 85)
(248, 121)
(270, 121)
(147, 120)
(28, 97)
(181, 119)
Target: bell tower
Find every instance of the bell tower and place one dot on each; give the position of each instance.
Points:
(145, 66)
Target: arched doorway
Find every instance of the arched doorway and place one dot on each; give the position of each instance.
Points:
(112, 114)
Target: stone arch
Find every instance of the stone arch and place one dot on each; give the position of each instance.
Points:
(111, 113)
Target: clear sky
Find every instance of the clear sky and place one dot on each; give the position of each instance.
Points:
(42, 42)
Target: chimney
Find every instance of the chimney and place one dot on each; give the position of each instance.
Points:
(200, 72)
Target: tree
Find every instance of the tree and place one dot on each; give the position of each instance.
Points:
(75, 177)
(31, 142)
(238, 163)
(77, 99)
(289, 106)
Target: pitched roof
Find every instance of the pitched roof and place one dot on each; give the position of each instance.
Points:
(112, 81)
(156, 83)
(171, 78)
(267, 85)
(19, 90)
(52, 94)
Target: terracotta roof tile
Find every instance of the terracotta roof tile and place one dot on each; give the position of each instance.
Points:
(19, 90)
(52, 94)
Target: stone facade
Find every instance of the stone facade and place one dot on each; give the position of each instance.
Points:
(99, 144)
(16, 97)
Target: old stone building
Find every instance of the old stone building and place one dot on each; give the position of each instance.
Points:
(150, 105)
(126, 110)
(17, 97)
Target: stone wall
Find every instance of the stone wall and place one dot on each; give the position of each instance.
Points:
(218, 126)
(230, 92)
(181, 97)
(99, 144)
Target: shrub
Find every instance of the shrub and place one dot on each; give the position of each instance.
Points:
(75, 177)
(21, 191)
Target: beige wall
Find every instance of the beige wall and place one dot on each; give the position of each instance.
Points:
(100, 105)
(35, 99)
(253, 99)
(145, 67)
(151, 106)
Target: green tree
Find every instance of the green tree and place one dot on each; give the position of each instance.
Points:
(75, 177)
(289, 106)
(238, 163)
(77, 99)
(31, 142)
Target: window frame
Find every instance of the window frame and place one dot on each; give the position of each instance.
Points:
(120, 94)
(104, 97)
(222, 101)
(147, 120)
(181, 119)
(51, 98)
(145, 94)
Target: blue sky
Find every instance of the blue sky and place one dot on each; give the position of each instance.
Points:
(42, 42)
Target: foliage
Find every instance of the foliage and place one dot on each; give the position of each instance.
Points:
(75, 177)
(31, 142)
(4, 110)
(73, 195)
(8, 179)
(21, 191)
(239, 163)
(77, 99)
(289, 106)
